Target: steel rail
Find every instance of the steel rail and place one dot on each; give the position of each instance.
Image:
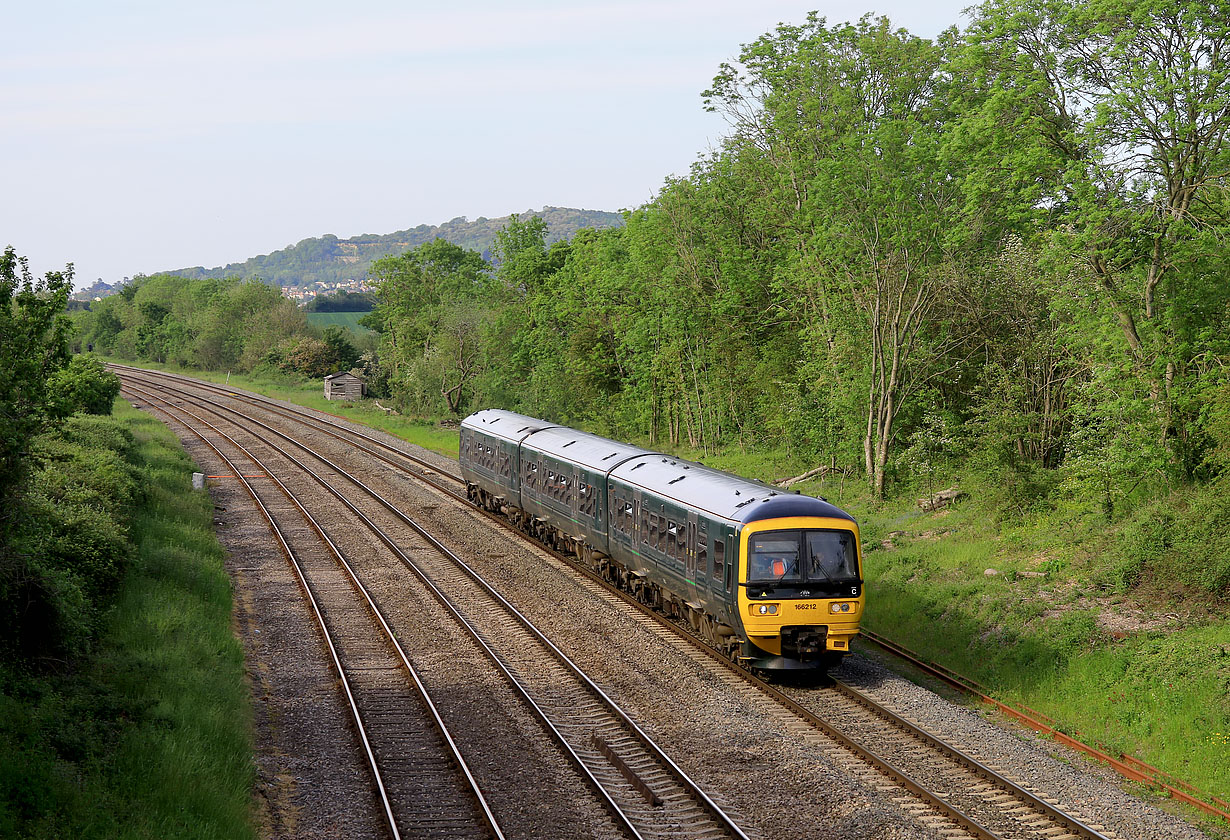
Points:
(288, 552)
(1051, 812)
(1127, 766)
(901, 777)
(702, 798)
(275, 407)
(488, 816)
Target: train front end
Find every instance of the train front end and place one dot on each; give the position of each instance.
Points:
(800, 595)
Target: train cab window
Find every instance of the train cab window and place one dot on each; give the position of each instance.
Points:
(831, 556)
(818, 556)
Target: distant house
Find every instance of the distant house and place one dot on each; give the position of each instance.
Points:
(344, 385)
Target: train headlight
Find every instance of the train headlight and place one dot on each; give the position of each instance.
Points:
(840, 607)
(766, 609)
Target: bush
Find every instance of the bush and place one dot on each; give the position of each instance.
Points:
(83, 385)
(69, 544)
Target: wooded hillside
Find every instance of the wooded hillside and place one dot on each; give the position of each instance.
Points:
(329, 259)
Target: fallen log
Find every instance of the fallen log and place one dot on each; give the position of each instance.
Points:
(940, 500)
(786, 482)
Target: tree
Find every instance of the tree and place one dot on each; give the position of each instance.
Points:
(33, 346)
(845, 125)
(83, 385)
(1134, 97)
(416, 289)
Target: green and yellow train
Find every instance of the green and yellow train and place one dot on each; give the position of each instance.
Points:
(773, 579)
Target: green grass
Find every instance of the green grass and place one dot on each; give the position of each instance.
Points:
(151, 736)
(349, 320)
(1037, 633)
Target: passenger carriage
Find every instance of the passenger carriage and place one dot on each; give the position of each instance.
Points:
(770, 578)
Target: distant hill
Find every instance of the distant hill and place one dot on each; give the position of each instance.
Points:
(328, 259)
(98, 290)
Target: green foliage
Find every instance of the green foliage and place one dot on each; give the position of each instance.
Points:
(33, 346)
(330, 260)
(213, 324)
(147, 735)
(69, 542)
(342, 302)
(83, 385)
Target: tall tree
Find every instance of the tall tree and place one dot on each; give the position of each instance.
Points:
(1134, 96)
(847, 128)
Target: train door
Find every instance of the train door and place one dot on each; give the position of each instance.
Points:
(636, 516)
(727, 558)
(690, 551)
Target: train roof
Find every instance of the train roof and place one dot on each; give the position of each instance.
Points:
(720, 493)
(597, 453)
(506, 425)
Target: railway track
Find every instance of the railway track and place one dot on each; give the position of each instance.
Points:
(647, 794)
(422, 782)
(947, 789)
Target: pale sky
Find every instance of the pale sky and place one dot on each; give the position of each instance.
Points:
(146, 136)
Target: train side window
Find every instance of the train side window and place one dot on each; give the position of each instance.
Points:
(653, 530)
(666, 537)
(617, 521)
(644, 524)
(719, 560)
(702, 550)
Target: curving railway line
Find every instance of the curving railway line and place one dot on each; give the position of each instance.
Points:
(945, 789)
(647, 794)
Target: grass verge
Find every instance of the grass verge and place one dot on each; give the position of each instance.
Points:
(150, 735)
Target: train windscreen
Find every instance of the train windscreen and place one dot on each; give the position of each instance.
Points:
(802, 556)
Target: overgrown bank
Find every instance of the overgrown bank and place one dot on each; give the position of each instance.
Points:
(141, 728)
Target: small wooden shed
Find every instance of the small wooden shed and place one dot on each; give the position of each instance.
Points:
(345, 385)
